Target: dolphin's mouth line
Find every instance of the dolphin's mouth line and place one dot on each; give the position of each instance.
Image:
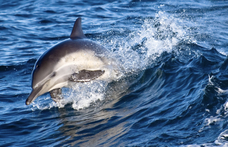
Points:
(38, 90)
(33, 95)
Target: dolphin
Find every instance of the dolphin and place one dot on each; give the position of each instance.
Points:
(76, 59)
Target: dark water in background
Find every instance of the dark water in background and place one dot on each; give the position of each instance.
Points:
(177, 98)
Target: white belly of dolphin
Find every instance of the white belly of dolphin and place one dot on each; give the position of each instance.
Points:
(84, 59)
(81, 60)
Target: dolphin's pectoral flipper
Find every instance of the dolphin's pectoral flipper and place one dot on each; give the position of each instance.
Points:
(56, 94)
(86, 75)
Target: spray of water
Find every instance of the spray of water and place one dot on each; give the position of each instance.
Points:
(142, 47)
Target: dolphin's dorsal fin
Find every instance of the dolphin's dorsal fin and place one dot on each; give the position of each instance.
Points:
(77, 30)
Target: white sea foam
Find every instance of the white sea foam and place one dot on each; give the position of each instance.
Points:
(222, 139)
(143, 46)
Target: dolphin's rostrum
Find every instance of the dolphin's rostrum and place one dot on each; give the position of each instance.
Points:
(74, 60)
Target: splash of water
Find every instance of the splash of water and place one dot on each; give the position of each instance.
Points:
(142, 47)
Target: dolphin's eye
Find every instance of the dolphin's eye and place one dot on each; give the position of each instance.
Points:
(53, 74)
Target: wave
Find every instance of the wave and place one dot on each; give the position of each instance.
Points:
(163, 44)
(167, 76)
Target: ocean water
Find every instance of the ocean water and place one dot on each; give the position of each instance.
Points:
(173, 92)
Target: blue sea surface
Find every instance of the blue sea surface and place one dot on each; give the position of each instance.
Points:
(174, 91)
